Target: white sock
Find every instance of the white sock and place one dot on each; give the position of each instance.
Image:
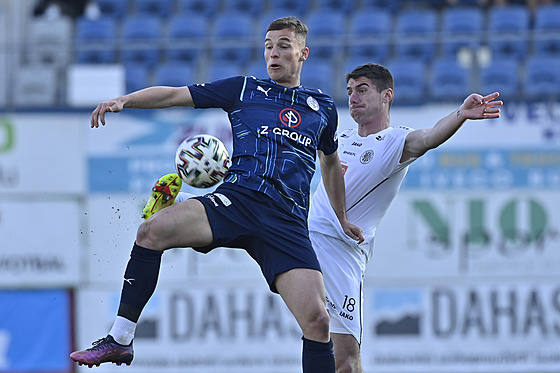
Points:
(123, 330)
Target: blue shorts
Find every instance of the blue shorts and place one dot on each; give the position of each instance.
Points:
(243, 218)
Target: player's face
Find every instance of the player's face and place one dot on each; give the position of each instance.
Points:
(284, 56)
(364, 101)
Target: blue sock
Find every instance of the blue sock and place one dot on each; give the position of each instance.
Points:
(140, 280)
(318, 357)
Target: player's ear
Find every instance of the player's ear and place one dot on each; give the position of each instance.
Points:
(388, 95)
(304, 54)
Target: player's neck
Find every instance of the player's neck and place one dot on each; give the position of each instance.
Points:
(369, 128)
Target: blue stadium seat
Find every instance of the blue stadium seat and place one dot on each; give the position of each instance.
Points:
(542, 78)
(217, 70)
(113, 8)
(547, 30)
(207, 8)
(250, 7)
(318, 75)
(449, 81)
(173, 74)
(508, 29)
(461, 27)
(416, 30)
(160, 8)
(325, 28)
(374, 5)
(185, 38)
(136, 77)
(140, 40)
(290, 7)
(95, 40)
(369, 34)
(233, 36)
(257, 69)
(500, 75)
(340, 6)
(410, 81)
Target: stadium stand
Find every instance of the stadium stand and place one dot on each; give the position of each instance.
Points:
(319, 74)
(410, 81)
(322, 39)
(159, 8)
(500, 75)
(113, 8)
(291, 7)
(173, 74)
(95, 40)
(185, 38)
(217, 70)
(250, 7)
(207, 8)
(141, 34)
(339, 6)
(448, 81)
(508, 28)
(542, 78)
(231, 39)
(546, 31)
(416, 30)
(373, 5)
(369, 35)
(50, 41)
(461, 27)
(140, 44)
(136, 77)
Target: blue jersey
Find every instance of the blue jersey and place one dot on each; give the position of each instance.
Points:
(276, 132)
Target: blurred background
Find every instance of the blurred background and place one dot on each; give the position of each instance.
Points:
(465, 273)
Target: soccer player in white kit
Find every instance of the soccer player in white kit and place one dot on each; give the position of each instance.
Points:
(375, 157)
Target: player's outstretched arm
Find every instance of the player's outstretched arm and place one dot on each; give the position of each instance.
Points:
(474, 107)
(333, 180)
(158, 97)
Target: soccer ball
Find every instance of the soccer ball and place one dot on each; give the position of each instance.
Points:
(202, 161)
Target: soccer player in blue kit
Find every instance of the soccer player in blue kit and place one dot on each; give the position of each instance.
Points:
(262, 206)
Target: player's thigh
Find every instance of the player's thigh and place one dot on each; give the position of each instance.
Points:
(183, 224)
(303, 292)
(346, 353)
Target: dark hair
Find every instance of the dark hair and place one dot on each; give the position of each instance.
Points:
(378, 74)
(292, 23)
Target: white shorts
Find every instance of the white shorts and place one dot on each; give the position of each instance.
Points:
(343, 266)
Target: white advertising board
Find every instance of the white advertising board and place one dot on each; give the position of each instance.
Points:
(42, 154)
(240, 327)
(40, 245)
(482, 234)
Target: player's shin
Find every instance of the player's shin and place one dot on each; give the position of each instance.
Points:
(140, 280)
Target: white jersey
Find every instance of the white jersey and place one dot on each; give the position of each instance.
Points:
(373, 175)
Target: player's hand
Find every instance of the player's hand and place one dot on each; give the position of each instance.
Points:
(481, 107)
(353, 231)
(98, 115)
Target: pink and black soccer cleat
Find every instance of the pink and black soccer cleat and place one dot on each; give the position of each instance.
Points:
(104, 350)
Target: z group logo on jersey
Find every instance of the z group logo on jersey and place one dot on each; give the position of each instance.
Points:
(290, 118)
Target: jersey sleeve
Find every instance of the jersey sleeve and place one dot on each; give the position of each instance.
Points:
(223, 93)
(394, 149)
(328, 142)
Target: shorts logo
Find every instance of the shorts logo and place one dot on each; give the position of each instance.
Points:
(290, 118)
(366, 157)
